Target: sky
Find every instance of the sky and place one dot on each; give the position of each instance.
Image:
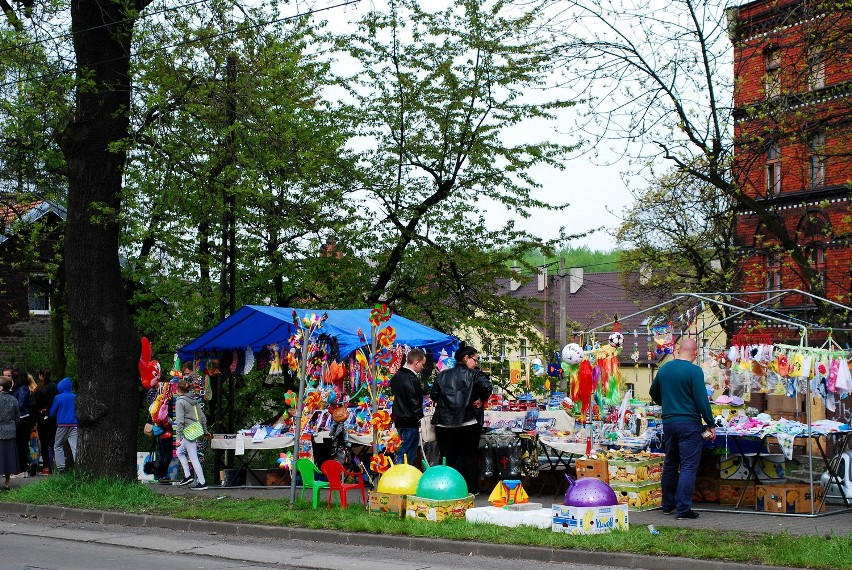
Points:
(594, 190)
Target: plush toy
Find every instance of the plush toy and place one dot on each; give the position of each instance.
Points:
(149, 370)
(585, 385)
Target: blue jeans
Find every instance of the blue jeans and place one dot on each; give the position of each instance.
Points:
(408, 448)
(683, 443)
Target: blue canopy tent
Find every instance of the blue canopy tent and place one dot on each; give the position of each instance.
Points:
(257, 326)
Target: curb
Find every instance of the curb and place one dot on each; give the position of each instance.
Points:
(414, 543)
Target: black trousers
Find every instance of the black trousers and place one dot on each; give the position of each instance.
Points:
(460, 447)
(23, 435)
(46, 439)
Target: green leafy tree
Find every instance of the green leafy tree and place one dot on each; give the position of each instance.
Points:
(679, 236)
(435, 95)
(658, 80)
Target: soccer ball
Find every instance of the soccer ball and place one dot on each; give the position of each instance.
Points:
(572, 353)
(616, 339)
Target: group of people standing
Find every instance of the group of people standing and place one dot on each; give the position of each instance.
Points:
(26, 404)
(459, 394)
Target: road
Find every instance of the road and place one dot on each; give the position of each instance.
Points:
(48, 544)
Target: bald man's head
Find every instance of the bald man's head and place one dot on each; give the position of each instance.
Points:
(688, 349)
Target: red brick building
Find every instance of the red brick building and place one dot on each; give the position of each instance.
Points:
(792, 146)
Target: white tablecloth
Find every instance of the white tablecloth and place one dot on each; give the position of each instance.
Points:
(229, 441)
(559, 444)
(561, 421)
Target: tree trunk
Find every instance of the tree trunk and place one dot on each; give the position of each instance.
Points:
(105, 342)
(58, 360)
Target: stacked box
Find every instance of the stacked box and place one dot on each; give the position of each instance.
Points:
(768, 468)
(788, 498)
(589, 520)
(386, 503)
(593, 469)
(639, 496)
(706, 490)
(624, 471)
(434, 510)
(729, 492)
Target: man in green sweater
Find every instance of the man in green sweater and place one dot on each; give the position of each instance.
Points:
(679, 389)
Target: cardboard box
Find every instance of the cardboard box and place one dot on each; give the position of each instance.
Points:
(788, 498)
(589, 520)
(386, 503)
(729, 493)
(784, 403)
(768, 467)
(593, 469)
(649, 470)
(433, 510)
(277, 478)
(639, 497)
(706, 490)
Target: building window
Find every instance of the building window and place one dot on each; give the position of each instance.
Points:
(772, 77)
(39, 298)
(816, 259)
(502, 349)
(816, 68)
(773, 170)
(816, 160)
(773, 272)
(523, 348)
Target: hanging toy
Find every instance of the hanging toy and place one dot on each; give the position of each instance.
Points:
(249, 365)
(149, 370)
(397, 360)
(616, 339)
(275, 361)
(586, 385)
(572, 353)
(663, 339)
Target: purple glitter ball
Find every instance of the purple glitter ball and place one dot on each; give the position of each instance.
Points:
(589, 493)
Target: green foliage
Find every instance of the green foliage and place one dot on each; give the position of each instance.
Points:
(592, 261)
(436, 92)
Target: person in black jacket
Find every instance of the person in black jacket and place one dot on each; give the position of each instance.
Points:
(25, 395)
(408, 405)
(46, 425)
(459, 394)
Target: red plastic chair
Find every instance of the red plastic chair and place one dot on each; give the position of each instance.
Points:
(336, 474)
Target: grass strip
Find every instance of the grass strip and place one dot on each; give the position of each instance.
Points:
(78, 491)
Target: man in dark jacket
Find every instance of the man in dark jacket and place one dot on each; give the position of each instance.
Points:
(459, 393)
(679, 389)
(408, 405)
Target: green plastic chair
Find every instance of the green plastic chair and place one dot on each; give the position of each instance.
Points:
(308, 470)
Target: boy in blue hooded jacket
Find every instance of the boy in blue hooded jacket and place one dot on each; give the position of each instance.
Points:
(64, 409)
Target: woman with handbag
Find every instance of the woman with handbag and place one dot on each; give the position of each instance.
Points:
(190, 426)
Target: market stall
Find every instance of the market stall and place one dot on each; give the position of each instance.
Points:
(335, 360)
(769, 395)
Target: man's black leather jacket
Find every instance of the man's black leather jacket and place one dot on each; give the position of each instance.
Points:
(453, 393)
